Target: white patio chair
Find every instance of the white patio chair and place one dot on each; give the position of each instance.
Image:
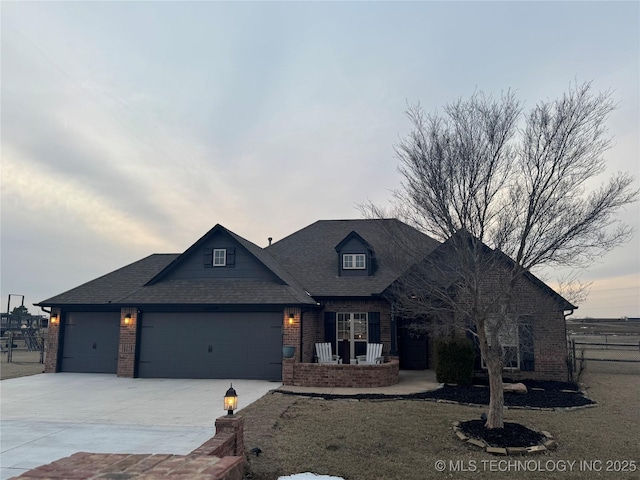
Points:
(373, 356)
(323, 351)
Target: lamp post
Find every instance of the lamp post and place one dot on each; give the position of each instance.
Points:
(230, 401)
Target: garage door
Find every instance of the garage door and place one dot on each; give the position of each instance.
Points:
(91, 342)
(211, 345)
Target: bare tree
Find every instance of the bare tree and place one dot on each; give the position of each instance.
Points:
(507, 193)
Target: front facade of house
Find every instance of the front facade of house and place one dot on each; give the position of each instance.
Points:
(225, 308)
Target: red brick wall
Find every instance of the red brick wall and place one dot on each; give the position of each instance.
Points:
(330, 375)
(291, 329)
(128, 338)
(228, 440)
(536, 307)
(52, 345)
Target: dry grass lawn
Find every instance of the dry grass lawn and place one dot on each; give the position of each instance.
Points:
(24, 363)
(370, 440)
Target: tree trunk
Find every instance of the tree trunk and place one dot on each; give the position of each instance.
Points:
(495, 416)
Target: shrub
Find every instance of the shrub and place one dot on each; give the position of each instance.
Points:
(455, 360)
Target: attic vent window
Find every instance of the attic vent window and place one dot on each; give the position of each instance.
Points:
(219, 257)
(354, 261)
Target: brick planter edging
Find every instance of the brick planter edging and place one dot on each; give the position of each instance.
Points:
(332, 375)
(547, 444)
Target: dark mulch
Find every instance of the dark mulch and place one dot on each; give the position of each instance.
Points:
(512, 435)
(551, 397)
(534, 398)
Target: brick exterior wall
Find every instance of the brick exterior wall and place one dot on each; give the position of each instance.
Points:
(538, 308)
(291, 329)
(330, 375)
(52, 344)
(128, 342)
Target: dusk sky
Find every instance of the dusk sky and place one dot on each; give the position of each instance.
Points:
(133, 128)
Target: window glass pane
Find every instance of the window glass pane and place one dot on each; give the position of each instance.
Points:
(219, 256)
(360, 326)
(347, 261)
(360, 263)
(343, 326)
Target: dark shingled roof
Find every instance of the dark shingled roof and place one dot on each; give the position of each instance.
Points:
(310, 255)
(143, 283)
(114, 286)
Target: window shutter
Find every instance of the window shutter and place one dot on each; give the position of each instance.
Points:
(527, 354)
(330, 329)
(208, 257)
(374, 327)
(231, 257)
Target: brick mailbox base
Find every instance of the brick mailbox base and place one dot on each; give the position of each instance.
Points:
(330, 375)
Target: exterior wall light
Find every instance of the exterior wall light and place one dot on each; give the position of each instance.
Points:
(54, 318)
(291, 317)
(127, 319)
(230, 401)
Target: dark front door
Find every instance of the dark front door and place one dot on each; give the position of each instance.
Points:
(211, 345)
(413, 348)
(91, 342)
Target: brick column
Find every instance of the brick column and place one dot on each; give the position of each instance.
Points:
(52, 345)
(288, 373)
(233, 426)
(291, 329)
(128, 342)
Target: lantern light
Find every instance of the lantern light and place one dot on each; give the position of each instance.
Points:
(230, 401)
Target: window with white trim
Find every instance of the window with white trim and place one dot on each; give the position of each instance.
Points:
(219, 257)
(354, 261)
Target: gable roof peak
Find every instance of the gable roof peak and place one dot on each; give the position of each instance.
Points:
(351, 236)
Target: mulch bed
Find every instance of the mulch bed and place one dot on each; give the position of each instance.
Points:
(512, 435)
(540, 395)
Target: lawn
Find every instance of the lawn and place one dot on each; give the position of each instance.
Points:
(403, 439)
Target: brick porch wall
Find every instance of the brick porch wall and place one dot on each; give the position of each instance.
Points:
(330, 375)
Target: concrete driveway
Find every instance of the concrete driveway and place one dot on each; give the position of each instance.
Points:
(49, 416)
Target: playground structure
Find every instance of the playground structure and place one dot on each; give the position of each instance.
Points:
(22, 328)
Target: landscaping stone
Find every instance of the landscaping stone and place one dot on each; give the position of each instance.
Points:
(496, 450)
(477, 443)
(514, 388)
(537, 449)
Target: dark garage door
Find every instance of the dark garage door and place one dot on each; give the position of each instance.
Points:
(91, 342)
(211, 345)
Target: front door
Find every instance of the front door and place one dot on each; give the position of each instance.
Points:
(352, 330)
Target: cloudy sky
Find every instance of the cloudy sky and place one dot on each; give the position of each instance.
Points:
(133, 128)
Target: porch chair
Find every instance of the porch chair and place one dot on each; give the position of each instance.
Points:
(373, 356)
(323, 351)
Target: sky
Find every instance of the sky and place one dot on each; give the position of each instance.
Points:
(132, 128)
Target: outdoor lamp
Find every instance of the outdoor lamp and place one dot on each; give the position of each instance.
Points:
(54, 318)
(127, 319)
(291, 317)
(230, 401)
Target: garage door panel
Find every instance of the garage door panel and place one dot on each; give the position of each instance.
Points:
(91, 342)
(211, 345)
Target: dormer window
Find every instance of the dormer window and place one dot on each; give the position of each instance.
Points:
(354, 261)
(219, 257)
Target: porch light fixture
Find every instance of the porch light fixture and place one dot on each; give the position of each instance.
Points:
(230, 401)
(54, 318)
(127, 319)
(291, 317)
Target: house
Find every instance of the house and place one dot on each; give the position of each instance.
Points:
(226, 307)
